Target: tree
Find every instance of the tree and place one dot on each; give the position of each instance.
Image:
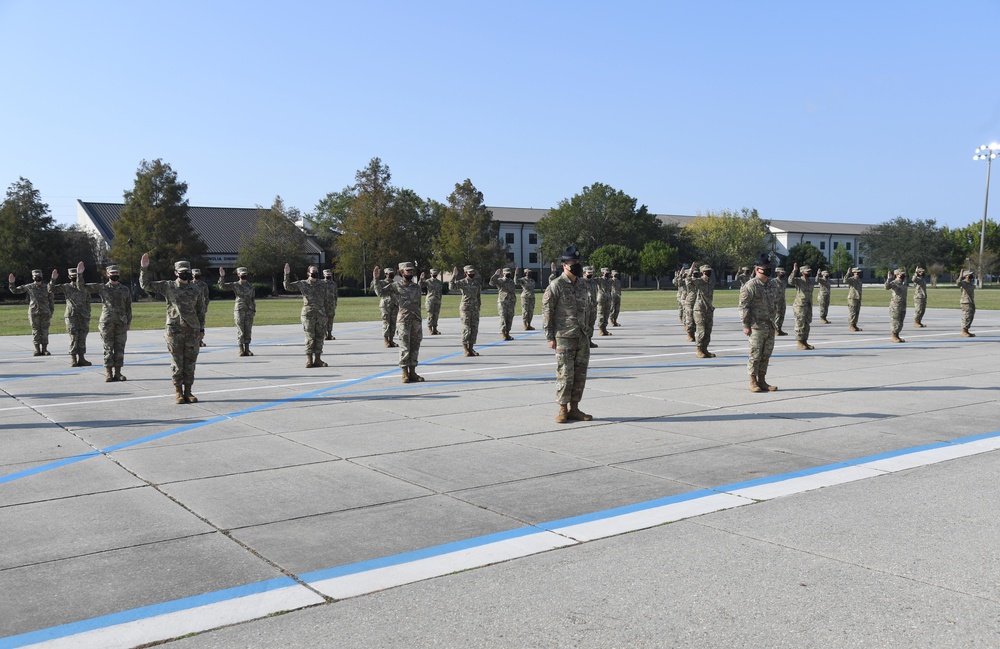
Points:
(419, 221)
(657, 259)
(806, 254)
(598, 216)
(468, 233)
(902, 242)
(155, 218)
(729, 239)
(30, 237)
(843, 261)
(275, 242)
(78, 245)
(328, 218)
(616, 257)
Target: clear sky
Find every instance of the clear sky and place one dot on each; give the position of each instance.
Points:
(849, 111)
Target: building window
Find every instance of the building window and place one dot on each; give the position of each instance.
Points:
(836, 244)
(809, 243)
(822, 245)
(509, 237)
(533, 257)
(848, 244)
(533, 239)
(510, 256)
(861, 261)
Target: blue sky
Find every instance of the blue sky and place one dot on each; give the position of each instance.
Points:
(835, 111)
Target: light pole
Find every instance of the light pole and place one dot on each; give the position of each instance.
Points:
(987, 153)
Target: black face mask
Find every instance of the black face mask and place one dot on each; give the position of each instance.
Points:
(706, 274)
(576, 269)
(113, 278)
(314, 275)
(184, 276)
(471, 275)
(243, 276)
(766, 272)
(38, 280)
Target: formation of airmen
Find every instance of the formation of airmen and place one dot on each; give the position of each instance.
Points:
(576, 304)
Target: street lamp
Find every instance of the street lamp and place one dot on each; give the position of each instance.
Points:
(987, 153)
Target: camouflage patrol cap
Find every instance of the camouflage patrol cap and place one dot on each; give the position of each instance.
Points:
(242, 270)
(112, 270)
(327, 273)
(825, 273)
(389, 271)
(919, 270)
(805, 269)
(38, 272)
(182, 265)
(433, 272)
(196, 272)
(71, 271)
(588, 269)
(605, 270)
(406, 265)
(899, 271)
(614, 273)
(704, 267)
(469, 269)
(779, 270)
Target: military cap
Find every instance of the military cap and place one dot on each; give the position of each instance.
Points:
(588, 269)
(614, 273)
(605, 270)
(919, 270)
(389, 271)
(571, 253)
(805, 269)
(37, 272)
(72, 272)
(196, 272)
(112, 270)
(434, 271)
(469, 269)
(242, 270)
(406, 265)
(327, 273)
(899, 271)
(825, 273)
(182, 265)
(779, 269)
(704, 267)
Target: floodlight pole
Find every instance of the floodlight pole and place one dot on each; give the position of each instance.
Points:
(987, 153)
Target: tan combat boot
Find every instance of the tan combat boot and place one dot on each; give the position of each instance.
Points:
(824, 321)
(83, 362)
(897, 339)
(754, 386)
(75, 362)
(309, 361)
(179, 393)
(700, 353)
(576, 414)
(109, 375)
(187, 395)
(563, 415)
(38, 350)
(406, 374)
(765, 386)
(802, 345)
(690, 337)
(118, 373)
(605, 332)
(318, 362)
(414, 377)
(967, 334)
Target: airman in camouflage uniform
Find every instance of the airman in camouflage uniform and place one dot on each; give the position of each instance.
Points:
(690, 295)
(565, 307)
(802, 307)
(590, 319)
(185, 323)
(757, 299)
(203, 286)
(41, 304)
(244, 308)
(616, 298)
(314, 300)
(331, 302)
(388, 307)
(503, 281)
(967, 284)
(407, 292)
(434, 288)
(854, 286)
(527, 284)
(780, 304)
(77, 314)
(681, 285)
(742, 276)
(897, 305)
(823, 282)
(919, 297)
(468, 309)
(703, 310)
(116, 319)
(603, 299)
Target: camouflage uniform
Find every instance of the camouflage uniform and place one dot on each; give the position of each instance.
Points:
(593, 289)
(681, 285)
(690, 295)
(244, 309)
(434, 288)
(313, 315)
(184, 327)
(919, 297)
(823, 282)
(802, 307)
(116, 319)
(506, 300)
(616, 298)
(331, 302)
(203, 286)
(527, 300)
(41, 304)
(967, 285)
(703, 311)
(757, 314)
(388, 307)
(469, 308)
(406, 291)
(77, 316)
(565, 307)
(780, 303)
(854, 287)
(743, 276)
(897, 305)
(603, 300)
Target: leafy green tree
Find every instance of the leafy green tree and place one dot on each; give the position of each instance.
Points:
(78, 245)
(327, 219)
(729, 239)
(965, 242)
(275, 242)
(902, 242)
(806, 254)
(468, 234)
(370, 229)
(30, 238)
(616, 257)
(597, 216)
(155, 218)
(657, 259)
(419, 222)
(842, 261)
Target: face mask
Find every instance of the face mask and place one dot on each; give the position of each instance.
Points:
(506, 275)
(38, 280)
(589, 275)
(197, 278)
(766, 272)
(470, 275)
(184, 276)
(314, 275)
(576, 269)
(242, 277)
(112, 278)
(706, 274)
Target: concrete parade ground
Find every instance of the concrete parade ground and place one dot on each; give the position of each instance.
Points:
(857, 506)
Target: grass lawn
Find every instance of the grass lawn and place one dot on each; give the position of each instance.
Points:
(285, 310)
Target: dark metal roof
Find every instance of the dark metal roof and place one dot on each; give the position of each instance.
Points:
(221, 228)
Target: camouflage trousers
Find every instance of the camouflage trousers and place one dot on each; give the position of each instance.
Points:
(616, 305)
(761, 347)
(572, 360)
(968, 313)
(689, 324)
(824, 305)
(410, 335)
(315, 328)
(470, 327)
(244, 325)
(433, 313)
(680, 311)
(389, 316)
(527, 310)
(603, 313)
(506, 312)
(919, 306)
(803, 322)
(77, 328)
(704, 320)
(113, 335)
(779, 316)
(853, 310)
(183, 343)
(40, 327)
(329, 323)
(896, 315)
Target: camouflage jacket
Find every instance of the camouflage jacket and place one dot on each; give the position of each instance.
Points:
(803, 289)
(434, 288)
(898, 289)
(616, 287)
(779, 298)
(117, 301)
(853, 288)
(565, 307)
(246, 295)
(185, 302)
(757, 303)
(919, 288)
(386, 298)
(331, 296)
(603, 286)
(472, 299)
(40, 301)
(406, 294)
(507, 289)
(968, 291)
(77, 299)
(704, 290)
(527, 287)
(203, 287)
(313, 295)
(824, 286)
